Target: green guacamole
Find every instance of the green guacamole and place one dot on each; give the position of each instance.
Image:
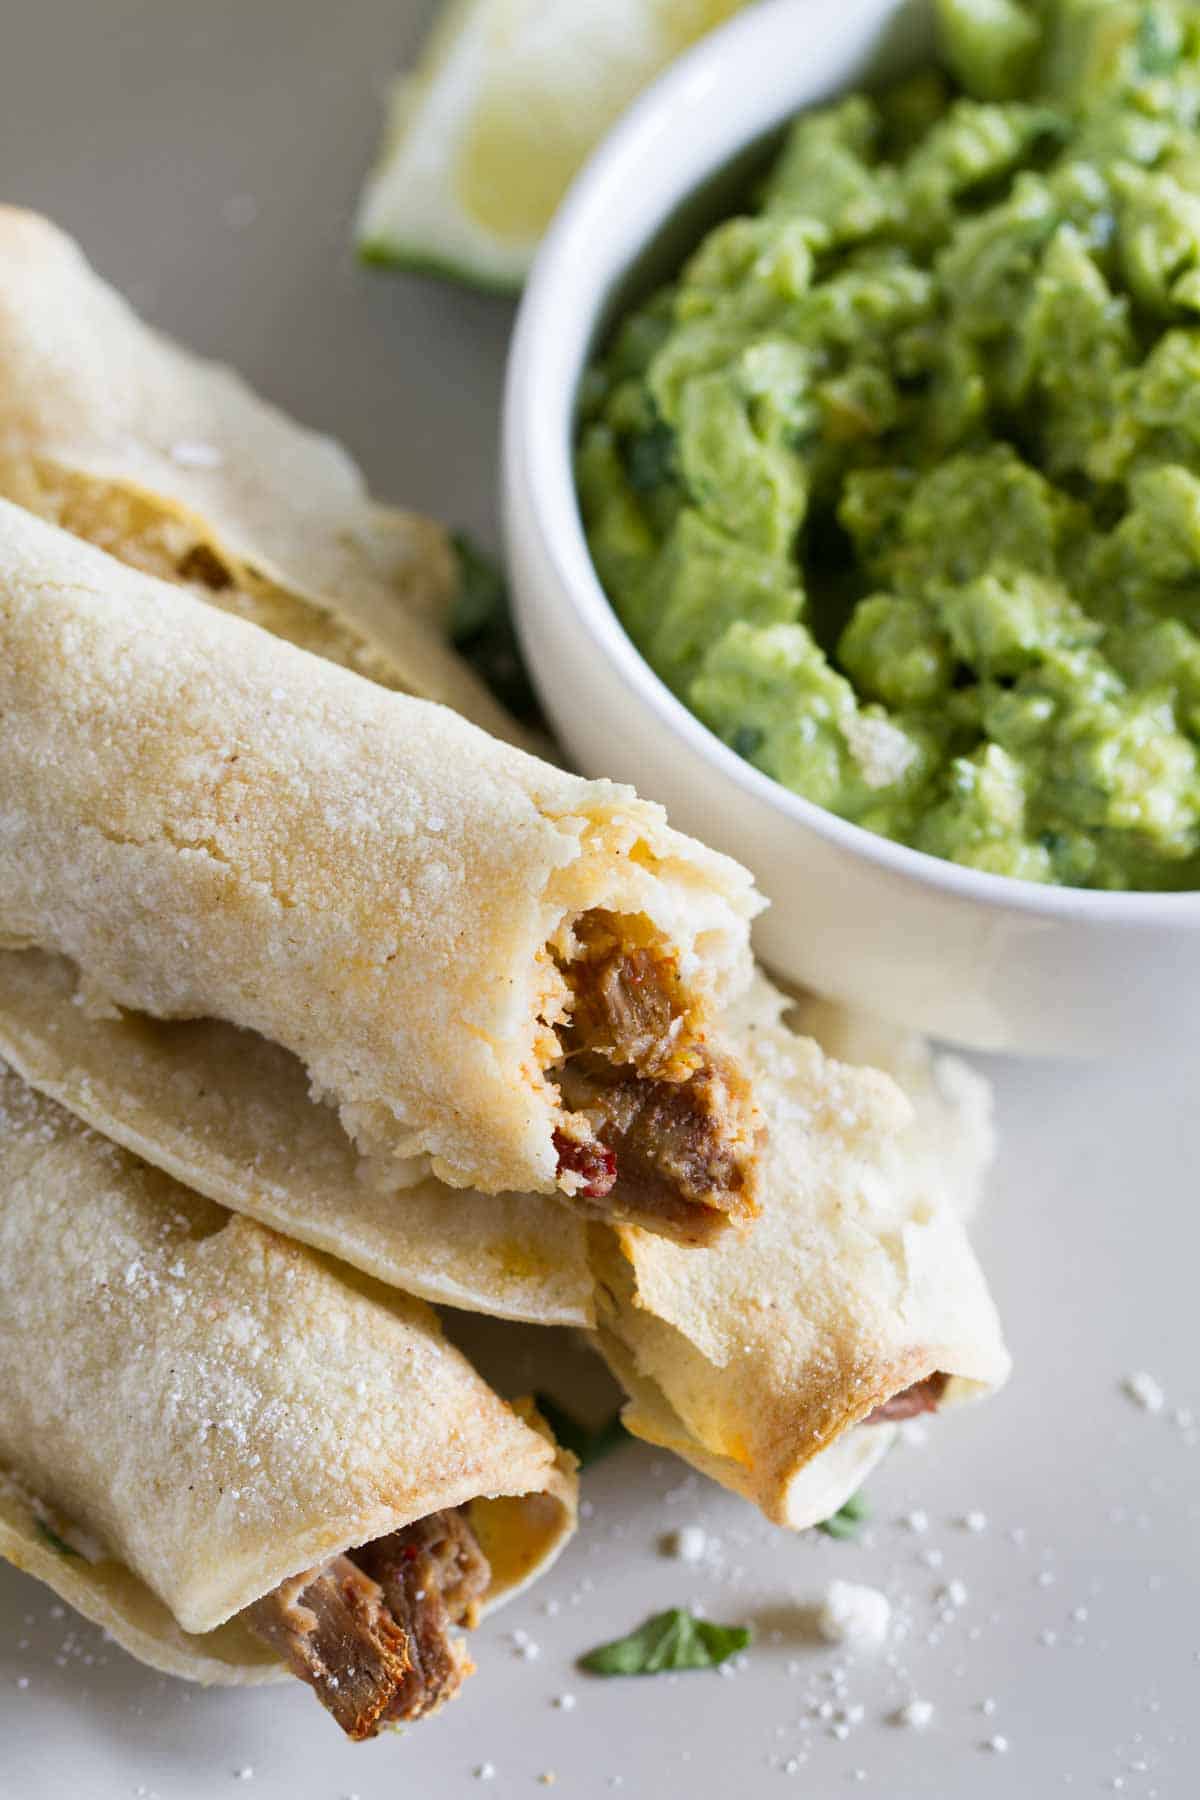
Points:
(897, 486)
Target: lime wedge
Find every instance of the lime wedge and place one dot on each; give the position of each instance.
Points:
(507, 100)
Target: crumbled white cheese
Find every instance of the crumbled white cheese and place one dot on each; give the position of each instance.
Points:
(565, 1702)
(485, 1772)
(882, 751)
(975, 1521)
(954, 1593)
(917, 1714)
(688, 1543)
(854, 1615)
(917, 1520)
(998, 1743)
(1144, 1391)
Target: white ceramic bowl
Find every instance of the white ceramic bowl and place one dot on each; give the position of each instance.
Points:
(981, 959)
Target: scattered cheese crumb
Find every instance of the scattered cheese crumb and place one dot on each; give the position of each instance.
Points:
(485, 1772)
(975, 1521)
(998, 1743)
(854, 1615)
(916, 1715)
(917, 1520)
(565, 1702)
(688, 1543)
(244, 1774)
(1145, 1391)
(954, 1593)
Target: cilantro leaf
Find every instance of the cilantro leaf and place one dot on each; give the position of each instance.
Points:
(670, 1640)
(746, 740)
(589, 1444)
(650, 458)
(481, 629)
(52, 1538)
(845, 1522)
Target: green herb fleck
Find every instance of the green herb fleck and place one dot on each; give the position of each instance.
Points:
(481, 629)
(846, 1521)
(746, 740)
(650, 458)
(588, 1443)
(670, 1640)
(52, 1538)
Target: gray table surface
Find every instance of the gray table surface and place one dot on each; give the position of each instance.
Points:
(209, 158)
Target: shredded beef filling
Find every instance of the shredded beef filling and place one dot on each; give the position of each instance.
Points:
(660, 1125)
(370, 1631)
(922, 1397)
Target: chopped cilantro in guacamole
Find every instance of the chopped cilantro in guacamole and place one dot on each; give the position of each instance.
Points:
(897, 485)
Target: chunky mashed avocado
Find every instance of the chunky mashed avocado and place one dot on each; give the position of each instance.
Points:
(898, 484)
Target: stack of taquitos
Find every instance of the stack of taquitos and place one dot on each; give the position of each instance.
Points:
(177, 801)
(857, 1281)
(237, 1458)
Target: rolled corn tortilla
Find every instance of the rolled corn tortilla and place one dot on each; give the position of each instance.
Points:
(237, 1457)
(174, 465)
(499, 973)
(779, 1364)
(951, 1140)
(865, 1282)
(231, 1115)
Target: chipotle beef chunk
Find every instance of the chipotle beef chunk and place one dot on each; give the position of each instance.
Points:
(626, 1004)
(922, 1397)
(673, 1154)
(334, 1631)
(370, 1631)
(669, 1117)
(433, 1576)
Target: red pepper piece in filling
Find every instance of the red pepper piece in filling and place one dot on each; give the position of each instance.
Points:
(595, 1162)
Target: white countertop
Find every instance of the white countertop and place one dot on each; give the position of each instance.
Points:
(209, 158)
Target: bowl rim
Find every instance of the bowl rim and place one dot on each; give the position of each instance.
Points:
(539, 479)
